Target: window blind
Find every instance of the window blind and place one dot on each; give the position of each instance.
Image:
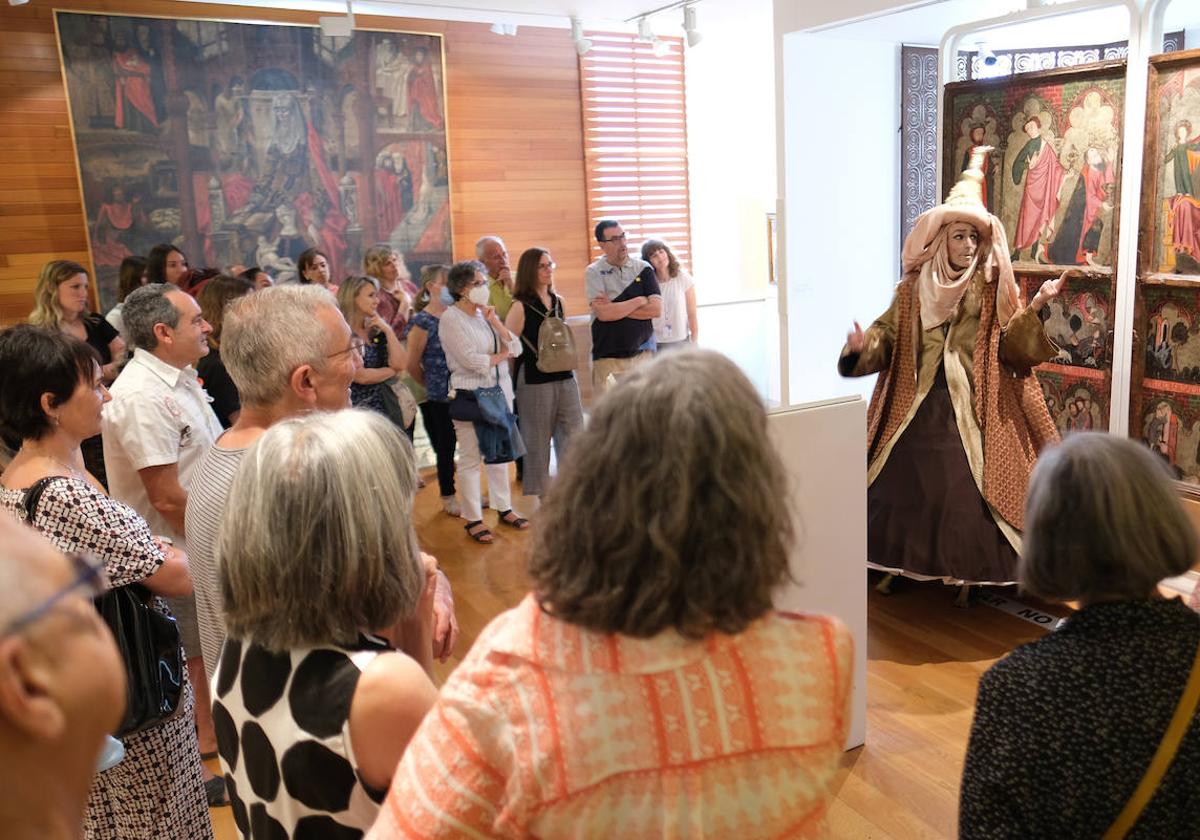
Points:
(635, 140)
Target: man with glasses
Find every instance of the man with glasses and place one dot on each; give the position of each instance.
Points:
(62, 684)
(624, 297)
(290, 351)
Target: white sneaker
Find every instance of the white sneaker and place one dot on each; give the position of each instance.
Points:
(450, 505)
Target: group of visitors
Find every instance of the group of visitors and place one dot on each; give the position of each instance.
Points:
(645, 686)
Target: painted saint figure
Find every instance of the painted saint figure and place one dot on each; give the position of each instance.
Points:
(989, 188)
(956, 411)
(1044, 174)
(422, 93)
(135, 108)
(1184, 207)
(1078, 239)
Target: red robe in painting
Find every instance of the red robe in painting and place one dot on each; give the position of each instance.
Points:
(1184, 208)
(1094, 179)
(112, 219)
(422, 95)
(133, 87)
(1040, 199)
(388, 204)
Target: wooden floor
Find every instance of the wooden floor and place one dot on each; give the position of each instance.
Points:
(925, 659)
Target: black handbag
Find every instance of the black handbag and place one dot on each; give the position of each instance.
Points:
(148, 642)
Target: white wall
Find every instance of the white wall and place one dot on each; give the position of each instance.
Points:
(731, 146)
(841, 201)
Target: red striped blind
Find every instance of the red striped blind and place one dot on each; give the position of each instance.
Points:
(635, 140)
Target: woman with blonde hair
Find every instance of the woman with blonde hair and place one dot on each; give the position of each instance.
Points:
(323, 586)
(382, 353)
(396, 290)
(1066, 727)
(61, 302)
(646, 686)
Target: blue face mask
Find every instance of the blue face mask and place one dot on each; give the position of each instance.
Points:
(446, 298)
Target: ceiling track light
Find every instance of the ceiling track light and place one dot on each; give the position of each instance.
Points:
(509, 29)
(582, 45)
(644, 31)
(986, 57)
(689, 26)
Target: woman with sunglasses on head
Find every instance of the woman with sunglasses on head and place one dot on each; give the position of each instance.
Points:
(51, 396)
(550, 403)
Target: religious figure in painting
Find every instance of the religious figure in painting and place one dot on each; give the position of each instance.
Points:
(391, 76)
(1161, 431)
(114, 222)
(388, 203)
(1078, 237)
(1043, 174)
(1184, 207)
(978, 132)
(297, 179)
(422, 93)
(956, 410)
(135, 109)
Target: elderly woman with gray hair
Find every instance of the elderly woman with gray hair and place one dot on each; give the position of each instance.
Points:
(1073, 732)
(477, 346)
(321, 580)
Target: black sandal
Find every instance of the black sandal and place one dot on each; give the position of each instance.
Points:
(516, 522)
(483, 536)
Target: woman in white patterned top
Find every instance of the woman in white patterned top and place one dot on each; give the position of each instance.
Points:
(477, 346)
(53, 395)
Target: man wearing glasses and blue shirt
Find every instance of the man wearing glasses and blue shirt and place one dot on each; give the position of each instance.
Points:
(62, 684)
(624, 297)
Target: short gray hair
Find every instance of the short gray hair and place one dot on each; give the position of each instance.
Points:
(461, 275)
(316, 542)
(1102, 521)
(483, 241)
(268, 334)
(146, 307)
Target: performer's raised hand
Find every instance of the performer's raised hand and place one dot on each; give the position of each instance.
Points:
(856, 339)
(1052, 289)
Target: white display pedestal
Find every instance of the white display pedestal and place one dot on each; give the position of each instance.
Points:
(823, 448)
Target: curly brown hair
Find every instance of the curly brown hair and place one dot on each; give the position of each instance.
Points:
(670, 510)
(650, 246)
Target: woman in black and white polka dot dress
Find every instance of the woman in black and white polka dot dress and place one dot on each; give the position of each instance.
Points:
(1065, 727)
(319, 570)
(51, 396)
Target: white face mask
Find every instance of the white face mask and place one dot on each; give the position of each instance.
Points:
(478, 295)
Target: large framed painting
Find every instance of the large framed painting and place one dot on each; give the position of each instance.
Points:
(1170, 231)
(1053, 175)
(247, 143)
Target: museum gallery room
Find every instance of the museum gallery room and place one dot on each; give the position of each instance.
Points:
(624, 419)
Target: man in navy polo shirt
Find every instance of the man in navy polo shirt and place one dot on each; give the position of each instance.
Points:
(624, 297)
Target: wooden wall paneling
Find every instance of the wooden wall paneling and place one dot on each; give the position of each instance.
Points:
(515, 140)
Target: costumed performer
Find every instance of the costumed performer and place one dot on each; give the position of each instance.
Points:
(956, 421)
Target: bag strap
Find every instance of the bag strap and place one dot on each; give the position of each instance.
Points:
(33, 495)
(1176, 729)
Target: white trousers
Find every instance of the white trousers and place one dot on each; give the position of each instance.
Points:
(469, 462)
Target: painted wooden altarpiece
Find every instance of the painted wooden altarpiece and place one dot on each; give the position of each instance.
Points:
(248, 143)
(1165, 392)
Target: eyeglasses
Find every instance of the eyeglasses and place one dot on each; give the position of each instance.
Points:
(549, 266)
(620, 238)
(356, 346)
(90, 577)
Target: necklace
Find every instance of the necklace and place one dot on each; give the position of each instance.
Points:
(54, 460)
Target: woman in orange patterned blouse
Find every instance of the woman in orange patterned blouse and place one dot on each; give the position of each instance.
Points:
(646, 687)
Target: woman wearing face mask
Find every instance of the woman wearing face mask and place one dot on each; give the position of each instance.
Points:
(477, 346)
(428, 367)
(955, 352)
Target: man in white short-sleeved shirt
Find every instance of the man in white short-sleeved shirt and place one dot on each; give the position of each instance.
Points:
(156, 429)
(159, 423)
